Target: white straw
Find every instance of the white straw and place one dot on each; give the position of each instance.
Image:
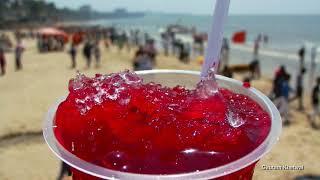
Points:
(215, 36)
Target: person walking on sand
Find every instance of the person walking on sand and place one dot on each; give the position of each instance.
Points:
(301, 54)
(18, 55)
(299, 90)
(151, 50)
(254, 67)
(73, 55)
(165, 43)
(87, 52)
(315, 104)
(313, 64)
(265, 39)
(227, 72)
(225, 51)
(142, 62)
(282, 102)
(97, 54)
(256, 48)
(2, 62)
(313, 55)
(278, 78)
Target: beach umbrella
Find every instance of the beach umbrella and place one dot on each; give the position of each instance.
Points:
(239, 37)
(49, 31)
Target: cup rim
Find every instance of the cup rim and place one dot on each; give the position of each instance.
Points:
(104, 173)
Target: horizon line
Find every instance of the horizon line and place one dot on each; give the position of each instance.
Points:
(231, 14)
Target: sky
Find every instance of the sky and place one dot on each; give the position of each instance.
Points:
(201, 6)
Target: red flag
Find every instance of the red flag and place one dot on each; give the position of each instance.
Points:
(239, 37)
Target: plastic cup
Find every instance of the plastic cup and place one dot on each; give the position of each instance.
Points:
(243, 167)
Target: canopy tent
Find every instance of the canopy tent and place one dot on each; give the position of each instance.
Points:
(49, 31)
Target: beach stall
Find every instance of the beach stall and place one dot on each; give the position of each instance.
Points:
(51, 39)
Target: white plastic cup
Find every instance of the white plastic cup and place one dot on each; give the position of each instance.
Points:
(173, 78)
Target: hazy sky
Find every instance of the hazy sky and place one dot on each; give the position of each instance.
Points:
(202, 6)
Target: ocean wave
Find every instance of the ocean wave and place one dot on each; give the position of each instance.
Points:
(265, 51)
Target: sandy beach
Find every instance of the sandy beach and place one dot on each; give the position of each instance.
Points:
(25, 97)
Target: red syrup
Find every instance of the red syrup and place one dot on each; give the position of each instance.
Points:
(118, 122)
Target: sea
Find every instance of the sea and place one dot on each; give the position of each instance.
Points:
(287, 33)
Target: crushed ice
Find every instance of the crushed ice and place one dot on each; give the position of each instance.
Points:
(77, 83)
(207, 86)
(101, 88)
(234, 120)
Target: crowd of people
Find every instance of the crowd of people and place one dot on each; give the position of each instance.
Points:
(283, 94)
(177, 46)
(18, 52)
(145, 56)
(50, 43)
(146, 52)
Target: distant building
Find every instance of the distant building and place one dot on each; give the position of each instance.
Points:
(86, 10)
(120, 11)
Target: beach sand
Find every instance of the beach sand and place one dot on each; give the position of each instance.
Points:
(25, 97)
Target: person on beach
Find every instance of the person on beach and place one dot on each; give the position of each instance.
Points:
(184, 52)
(255, 69)
(301, 54)
(315, 104)
(265, 39)
(225, 51)
(136, 37)
(140, 51)
(313, 55)
(313, 64)
(2, 62)
(256, 48)
(224, 55)
(165, 43)
(259, 37)
(107, 40)
(73, 55)
(146, 37)
(18, 55)
(299, 90)
(97, 54)
(107, 44)
(279, 77)
(226, 71)
(64, 171)
(198, 44)
(87, 52)
(151, 50)
(142, 61)
(282, 102)
(121, 41)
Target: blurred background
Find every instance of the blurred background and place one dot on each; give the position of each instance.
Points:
(44, 42)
